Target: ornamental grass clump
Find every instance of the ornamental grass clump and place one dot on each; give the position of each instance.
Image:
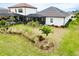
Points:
(33, 23)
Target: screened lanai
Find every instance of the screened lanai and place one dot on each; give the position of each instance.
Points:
(36, 17)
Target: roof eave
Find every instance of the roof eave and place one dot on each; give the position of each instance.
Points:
(23, 7)
(56, 16)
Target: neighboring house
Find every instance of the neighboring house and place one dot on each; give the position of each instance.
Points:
(4, 14)
(23, 9)
(52, 16)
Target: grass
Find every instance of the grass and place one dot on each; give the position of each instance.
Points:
(69, 46)
(17, 45)
(22, 27)
(14, 45)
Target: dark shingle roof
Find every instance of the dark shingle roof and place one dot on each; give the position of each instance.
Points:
(20, 5)
(10, 14)
(53, 12)
(3, 10)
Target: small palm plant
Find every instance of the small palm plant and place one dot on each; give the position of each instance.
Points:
(46, 29)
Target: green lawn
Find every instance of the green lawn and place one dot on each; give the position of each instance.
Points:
(22, 27)
(70, 43)
(16, 45)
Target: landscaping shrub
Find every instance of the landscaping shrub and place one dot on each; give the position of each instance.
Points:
(76, 18)
(46, 29)
(74, 22)
(33, 24)
(3, 23)
(11, 20)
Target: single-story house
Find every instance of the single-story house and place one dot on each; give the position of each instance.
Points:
(51, 16)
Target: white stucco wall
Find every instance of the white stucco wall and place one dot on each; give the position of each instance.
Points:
(26, 11)
(48, 21)
(56, 21)
(30, 11)
(12, 10)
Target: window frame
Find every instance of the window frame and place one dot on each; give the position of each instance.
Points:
(20, 10)
(9, 10)
(16, 10)
(51, 20)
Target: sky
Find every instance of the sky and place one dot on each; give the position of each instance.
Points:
(63, 6)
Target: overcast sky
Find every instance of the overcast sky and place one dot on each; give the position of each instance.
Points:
(41, 6)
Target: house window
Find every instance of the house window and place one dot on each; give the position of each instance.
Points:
(20, 10)
(15, 10)
(9, 10)
(51, 20)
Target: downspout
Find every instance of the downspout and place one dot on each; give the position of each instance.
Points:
(25, 18)
(64, 21)
(25, 11)
(45, 21)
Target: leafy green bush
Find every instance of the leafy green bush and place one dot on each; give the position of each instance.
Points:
(46, 29)
(73, 24)
(3, 23)
(75, 20)
(11, 19)
(33, 24)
